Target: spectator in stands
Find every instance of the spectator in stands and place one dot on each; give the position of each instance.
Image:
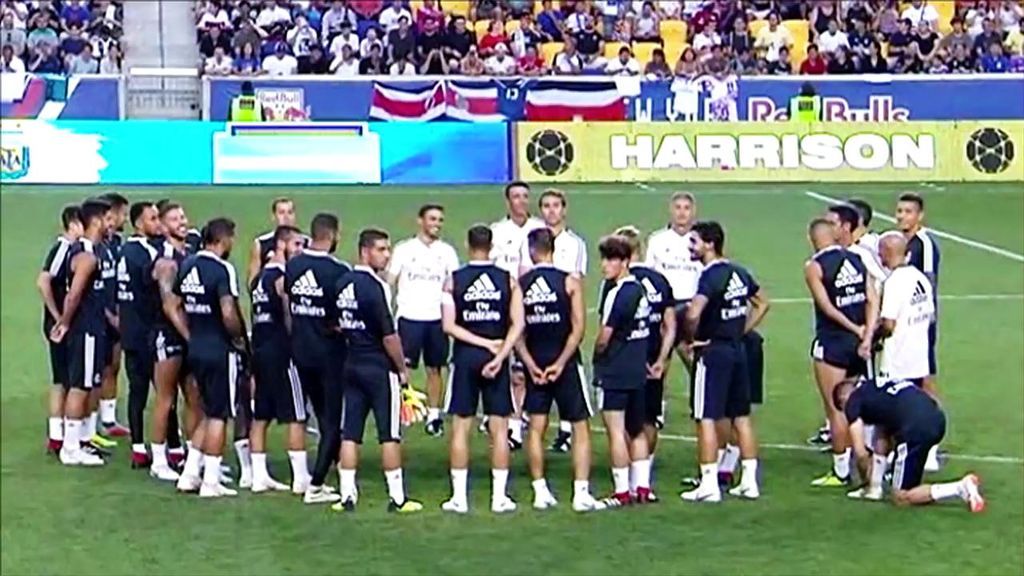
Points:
(739, 39)
(624, 65)
(45, 9)
(873, 63)
(220, 64)
(345, 64)
(280, 63)
(369, 42)
(982, 41)
(887, 20)
(316, 63)
(860, 41)
(41, 33)
(531, 63)
(550, 21)
(520, 8)
(1014, 43)
(429, 12)
(495, 35)
(909, 62)
(705, 39)
(820, 16)
(459, 38)
(759, 9)
(995, 62)
(72, 41)
(611, 12)
(832, 39)
(717, 63)
(1010, 14)
(75, 12)
(527, 35)
(814, 64)
(391, 17)
(975, 17)
(213, 39)
(403, 66)
(783, 66)
(927, 42)
(273, 15)
(589, 42)
(345, 37)
(19, 10)
(213, 17)
(401, 42)
(958, 36)
(247, 34)
(243, 11)
(791, 9)
(487, 10)
(10, 63)
(335, 18)
(246, 61)
(657, 68)
(500, 63)
(918, 11)
(430, 48)
(899, 42)
(373, 63)
(772, 38)
(841, 63)
(45, 61)
(568, 60)
(302, 38)
(744, 64)
(962, 60)
(578, 19)
(647, 26)
(854, 11)
(688, 66)
(11, 35)
(471, 64)
(368, 9)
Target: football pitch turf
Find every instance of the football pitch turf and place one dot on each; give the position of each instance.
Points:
(116, 521)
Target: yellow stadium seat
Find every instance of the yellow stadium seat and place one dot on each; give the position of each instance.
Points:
(755, 27)
(673, 31)
(801, 32)
(414, 6)
(456, 7)
(885, 50)
(673, 51)
(643, 51)
(946, 12)
(611, 49)
(480, 27)
(548, 51)
(511, 26)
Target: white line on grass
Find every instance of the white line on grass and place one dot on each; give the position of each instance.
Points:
(948, 235)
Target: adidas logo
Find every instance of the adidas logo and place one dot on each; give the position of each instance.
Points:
(653, 296)
(307, 285)
(347, 298)
(122, 271)
(848, 274)
(736, 288)
(259, 295)
(540, 293)
(920, 294)
(192, 284)
(483, 288)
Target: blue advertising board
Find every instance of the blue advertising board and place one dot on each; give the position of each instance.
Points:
(79, 97)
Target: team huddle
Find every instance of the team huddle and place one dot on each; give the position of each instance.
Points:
(332, 344)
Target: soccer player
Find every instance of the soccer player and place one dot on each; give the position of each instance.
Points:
(374, 372)
(318, 351)
(418, 269)
(53, 286)
(660, 342)
(135, 311)
(555, 321)
(845, 310)
(570, 256)
(115, 241)
(620, 373)
(728, 304)
(923, 254)
(915, 422)
(482, 310)
(208, 286)
(278, 394)
(84, 323)
(282, 210)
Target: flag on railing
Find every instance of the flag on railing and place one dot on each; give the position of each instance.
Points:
(559, 100)
(408, 103)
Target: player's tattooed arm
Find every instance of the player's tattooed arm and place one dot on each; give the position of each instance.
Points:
(692, 318)
(813, 278)
(82, 268)
(285, 305)
(164, 272)
(759, 306)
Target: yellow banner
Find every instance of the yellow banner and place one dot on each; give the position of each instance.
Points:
(754, 152)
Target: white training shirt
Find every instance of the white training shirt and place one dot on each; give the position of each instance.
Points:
(570, 254)
(508, 240)
(668, 252)
(907, 299)
(871, 262)
(420, 270)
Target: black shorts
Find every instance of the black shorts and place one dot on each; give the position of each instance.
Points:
(423, 338)
(912, 453)
(569, 392)
(653, 396)
(138, 365)
(933, 342)
(753, 345)
(839, 350)
(467, 387)
(631, 402)
(167, 344)
(720, 386)
(58, 361)
(278, 394)
(680, 310)
(87, 356)
(371, 388)
(217, 375)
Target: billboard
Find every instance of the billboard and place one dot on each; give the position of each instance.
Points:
(783, 152)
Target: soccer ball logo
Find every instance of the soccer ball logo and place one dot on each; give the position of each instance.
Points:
(990, 150)
(550, 152)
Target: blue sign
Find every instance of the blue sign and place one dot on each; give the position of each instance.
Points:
(79, 97)
(444, 152)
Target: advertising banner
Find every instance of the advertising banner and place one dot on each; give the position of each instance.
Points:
(646, 152)
(79, 97)
(287, 159)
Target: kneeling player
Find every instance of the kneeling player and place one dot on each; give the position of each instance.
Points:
(482, 310)
(915, 423)
(374, 371)
(555, 318)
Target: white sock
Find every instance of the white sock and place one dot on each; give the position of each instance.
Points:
(869, 437)
(565, 426)
(709, 476)
(721, 455)
(56, 428)
(879, 464)
(300, 466)
(259, 466)
(459, 480)
(828, 425)
(581, 487)
(188, 444)
(108, 411)
(244, 458)
(159, 455)
(139, 448)
(180, 450)
(540, 487)
(749, 472)
(515, 426)
(727, 463)
(347, 483)
(72, 434)
(433, 414)
(89, 427)
(499, 484)
(841, 463)
(620, 479)
(947, 490)
(640, 470)
(396, 487)
(193, 461)
(211, 470)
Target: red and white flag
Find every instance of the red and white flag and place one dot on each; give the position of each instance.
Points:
(403, 103)
(556, 100)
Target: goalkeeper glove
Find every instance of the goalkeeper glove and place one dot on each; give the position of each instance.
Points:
(413, 407)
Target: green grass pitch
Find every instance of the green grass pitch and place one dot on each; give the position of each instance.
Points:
(118, 521)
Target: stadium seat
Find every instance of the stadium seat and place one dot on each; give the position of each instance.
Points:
(801, 32)
(643, 51)
(414, 6)
(480, 27)
(946, 10)
(673, 31)
(456, 7)
(673, 51)
(511, 27)
(548, 51)
(755, 27)
(611, 49)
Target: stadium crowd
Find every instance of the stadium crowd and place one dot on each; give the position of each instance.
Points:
(58, 37)
(662, 39)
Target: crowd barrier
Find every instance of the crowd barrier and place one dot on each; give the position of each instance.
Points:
(160, 152)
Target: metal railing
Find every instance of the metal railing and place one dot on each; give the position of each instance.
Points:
(169, 93)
